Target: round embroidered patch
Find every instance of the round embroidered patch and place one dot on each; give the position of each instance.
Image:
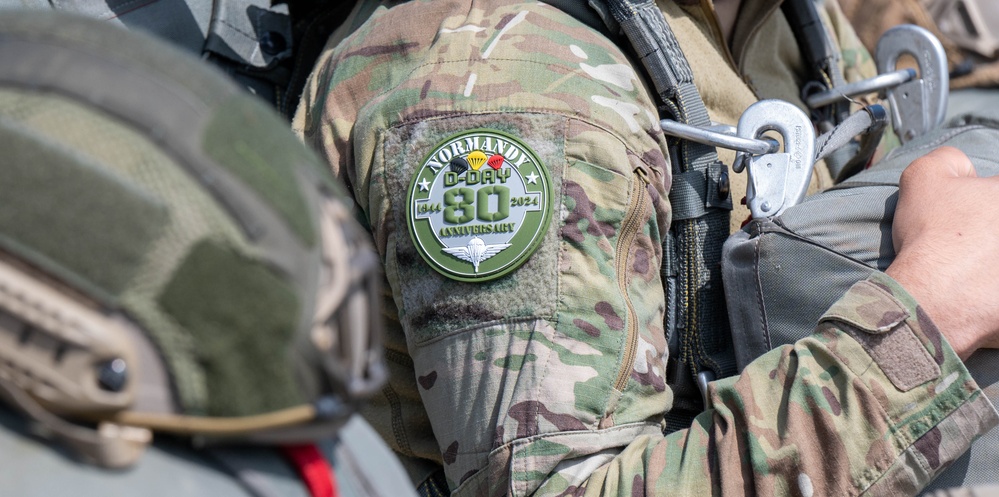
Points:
(479, 205)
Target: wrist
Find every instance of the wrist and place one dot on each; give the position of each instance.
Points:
(938, 303)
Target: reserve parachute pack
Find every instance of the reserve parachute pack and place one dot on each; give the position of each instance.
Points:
(172, 258)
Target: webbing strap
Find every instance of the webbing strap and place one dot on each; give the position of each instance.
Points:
(859, 123)
(869, 123)
(701, 204)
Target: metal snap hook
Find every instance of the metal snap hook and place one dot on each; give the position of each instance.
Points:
(921, 104)
(777, 180)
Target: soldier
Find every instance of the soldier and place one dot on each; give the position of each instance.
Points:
(185, 304)
(508, 160)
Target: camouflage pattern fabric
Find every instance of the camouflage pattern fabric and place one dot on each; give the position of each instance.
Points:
(551, 380)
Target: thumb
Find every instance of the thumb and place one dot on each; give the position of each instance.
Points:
(944, 162)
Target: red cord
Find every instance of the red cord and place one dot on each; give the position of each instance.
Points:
(315, 470)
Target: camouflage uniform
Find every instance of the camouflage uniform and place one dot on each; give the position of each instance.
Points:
(552, 379)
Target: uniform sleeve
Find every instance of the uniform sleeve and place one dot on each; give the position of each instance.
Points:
(874, 403)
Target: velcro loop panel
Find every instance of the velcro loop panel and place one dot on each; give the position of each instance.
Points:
(258, 155)
(243, 318)
(887, 337)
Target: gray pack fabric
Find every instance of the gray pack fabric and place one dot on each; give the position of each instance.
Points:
(782, 274)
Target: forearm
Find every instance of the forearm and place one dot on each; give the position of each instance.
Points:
(875, 401)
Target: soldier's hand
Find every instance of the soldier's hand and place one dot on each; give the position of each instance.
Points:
(946, 239)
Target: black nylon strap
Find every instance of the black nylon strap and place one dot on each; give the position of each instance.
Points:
(821, 56)
(810, 35)
(584, 13)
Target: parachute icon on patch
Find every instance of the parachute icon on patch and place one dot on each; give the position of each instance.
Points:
(476, 159)
(496, 161)
(458, 165)
(476, 251)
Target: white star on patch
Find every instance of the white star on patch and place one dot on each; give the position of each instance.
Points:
(532, 178)
(424, 185)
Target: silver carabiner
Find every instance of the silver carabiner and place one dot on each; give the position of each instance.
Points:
(919, 105)
(721, 136)
(777, 180)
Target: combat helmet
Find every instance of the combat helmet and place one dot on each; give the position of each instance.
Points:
(172, 259)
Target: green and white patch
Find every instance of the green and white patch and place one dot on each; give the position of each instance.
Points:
(479, 205)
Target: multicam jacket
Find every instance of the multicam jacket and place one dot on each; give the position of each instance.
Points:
(508, 161)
